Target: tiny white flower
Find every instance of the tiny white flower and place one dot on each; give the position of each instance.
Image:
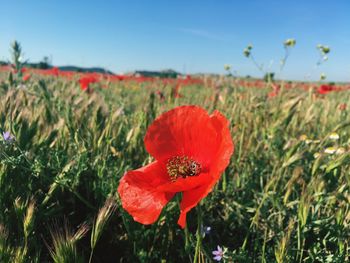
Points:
(334, 136)
(308, 141)
(330, 150)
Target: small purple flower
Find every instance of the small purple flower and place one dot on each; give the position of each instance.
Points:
(7, 136)
(218, 254)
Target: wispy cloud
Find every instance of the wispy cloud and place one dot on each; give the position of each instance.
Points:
(202, 33)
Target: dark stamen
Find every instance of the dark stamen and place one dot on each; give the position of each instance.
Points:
(182, 166)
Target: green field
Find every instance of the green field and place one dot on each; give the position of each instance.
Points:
(285, 196)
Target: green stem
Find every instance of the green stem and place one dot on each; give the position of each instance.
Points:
(91, 253)
(263, 260)
(198, 235)
(187, 239)
(298, 246)
(302, 249)
(82, 199)
(286, 55)
(240, 151)
(259, 67)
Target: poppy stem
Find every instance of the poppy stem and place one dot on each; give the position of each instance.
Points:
(187, 240)
(198, 235)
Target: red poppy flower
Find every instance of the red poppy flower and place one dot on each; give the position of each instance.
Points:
(342, 106)
(276, 90)
(325, 89)
(191, 149)
(54, 71)
(86, 80)
(272, 94)
(26, 77)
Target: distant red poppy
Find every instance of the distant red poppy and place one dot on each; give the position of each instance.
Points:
(276, 90)
(342, 106)
(191, 150)
(54, 71)
(86, 80)
(324, 89)
(26, 77)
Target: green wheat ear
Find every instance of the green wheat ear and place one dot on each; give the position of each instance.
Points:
(28, 222)
(64, 243)
(102, 217)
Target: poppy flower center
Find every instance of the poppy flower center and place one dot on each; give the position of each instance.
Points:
(182, 166)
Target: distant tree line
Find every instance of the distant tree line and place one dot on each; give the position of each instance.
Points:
(43, 64)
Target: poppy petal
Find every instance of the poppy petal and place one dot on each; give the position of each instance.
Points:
(137, 190)
(226, 147)
(190, 199)
(185, 184)
(221, 160)
(185, 130)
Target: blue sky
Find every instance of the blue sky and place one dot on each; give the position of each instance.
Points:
(188, 36)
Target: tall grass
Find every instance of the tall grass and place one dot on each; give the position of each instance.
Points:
(282, 198)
